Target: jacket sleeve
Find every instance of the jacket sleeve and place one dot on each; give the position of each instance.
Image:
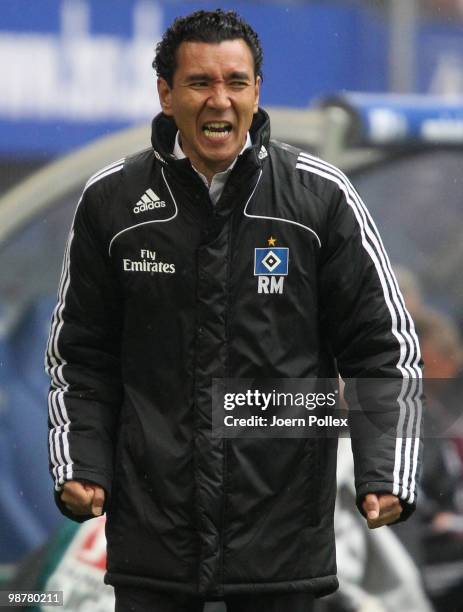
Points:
(373, 339)
(83, 356)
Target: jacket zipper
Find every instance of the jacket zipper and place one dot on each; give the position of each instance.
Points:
(227, 375)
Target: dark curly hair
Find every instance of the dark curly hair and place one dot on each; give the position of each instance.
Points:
(204, 26)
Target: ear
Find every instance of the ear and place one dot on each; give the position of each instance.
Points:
(257, 94)
(165, 96)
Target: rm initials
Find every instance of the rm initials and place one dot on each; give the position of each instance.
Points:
(270, 284)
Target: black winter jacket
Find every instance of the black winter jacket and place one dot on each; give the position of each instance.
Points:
(158, 296)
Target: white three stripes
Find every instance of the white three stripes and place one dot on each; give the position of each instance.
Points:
(54, 363)
(406, 457)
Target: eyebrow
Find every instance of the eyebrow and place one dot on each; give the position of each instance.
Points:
(243, 76)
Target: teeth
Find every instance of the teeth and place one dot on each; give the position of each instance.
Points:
(218, 125)
(216, 135)
(217, 130)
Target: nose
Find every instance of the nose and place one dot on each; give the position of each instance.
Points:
(219, 98)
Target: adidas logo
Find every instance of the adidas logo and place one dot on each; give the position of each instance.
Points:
(148, 201)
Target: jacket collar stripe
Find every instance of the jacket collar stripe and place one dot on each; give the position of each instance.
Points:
(250, 216)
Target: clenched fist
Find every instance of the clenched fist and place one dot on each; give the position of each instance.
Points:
(381, 509)
(82, 497)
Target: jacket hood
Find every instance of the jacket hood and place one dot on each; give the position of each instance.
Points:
(164, 129)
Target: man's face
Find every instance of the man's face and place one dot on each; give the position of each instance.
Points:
(213, 98)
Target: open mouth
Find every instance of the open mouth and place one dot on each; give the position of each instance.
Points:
(217, 129)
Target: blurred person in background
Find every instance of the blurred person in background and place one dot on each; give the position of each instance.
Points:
(444, 9)
(411, 290)
(442, 483)
(375, 571)
(158, 296)
(441, 344)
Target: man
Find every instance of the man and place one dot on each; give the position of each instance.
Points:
(160, 294)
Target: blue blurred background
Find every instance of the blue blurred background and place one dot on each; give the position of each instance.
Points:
(75, 69)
